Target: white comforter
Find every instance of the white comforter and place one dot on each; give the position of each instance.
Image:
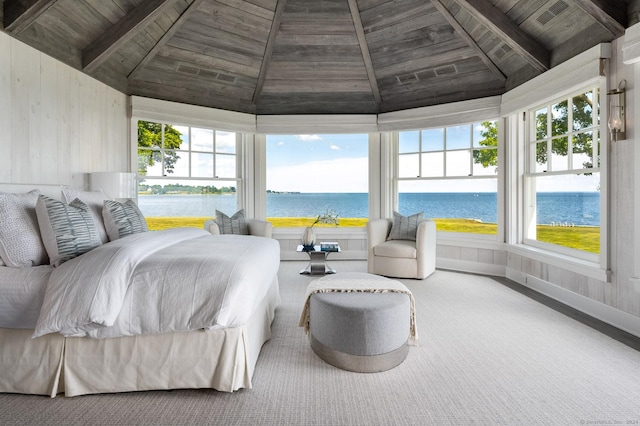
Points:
(155, 282)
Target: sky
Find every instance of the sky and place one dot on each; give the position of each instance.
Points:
(339, 163)
(317, 163)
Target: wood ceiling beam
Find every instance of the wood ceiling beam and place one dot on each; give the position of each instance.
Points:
(470, 41)
(268, 50)
(605, 12)
(364, 48)
(497, 22)
(165, 38)
(18, 15)
(117, 35)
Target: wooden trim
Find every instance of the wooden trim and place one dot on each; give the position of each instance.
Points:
(364, 48)
(268, 51)
(117, 35)
(606, 14)
(19, 15)
(497, 22)
(165, 38)
(470, 41)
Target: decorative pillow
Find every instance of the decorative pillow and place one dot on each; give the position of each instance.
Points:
(405, 227)
(95, 201)
(68, 230)
(235, 224)
(122, 219)
(20, 242)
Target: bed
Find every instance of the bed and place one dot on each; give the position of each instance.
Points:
(170, 309)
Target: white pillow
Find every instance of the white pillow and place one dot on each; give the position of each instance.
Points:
(68, 230)
(95, 201)
(20, 242)
(122, 219)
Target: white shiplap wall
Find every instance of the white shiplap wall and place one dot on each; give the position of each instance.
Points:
(57, 123)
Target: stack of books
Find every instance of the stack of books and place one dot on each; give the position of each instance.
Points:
(329, 246)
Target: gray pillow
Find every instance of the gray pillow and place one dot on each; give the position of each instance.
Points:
(235, 224)
(20, 241)
(405, 227)
(122, 219)
(68, 230)
(95, 201)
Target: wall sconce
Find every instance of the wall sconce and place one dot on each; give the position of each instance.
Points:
(117, 185)
(617, 111)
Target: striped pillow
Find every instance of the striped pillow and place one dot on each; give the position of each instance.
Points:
(93, 199)
(235, 224)
(122, 219)
(405, 227)
(68, 230)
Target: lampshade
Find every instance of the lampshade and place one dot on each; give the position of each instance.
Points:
(114, 184)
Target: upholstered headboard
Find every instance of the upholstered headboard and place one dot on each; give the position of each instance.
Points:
(50, 190)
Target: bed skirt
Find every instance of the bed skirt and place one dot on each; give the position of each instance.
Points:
(218, 359)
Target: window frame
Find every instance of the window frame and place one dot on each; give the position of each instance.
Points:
(499, 176)
(241, 141)
(529, 174)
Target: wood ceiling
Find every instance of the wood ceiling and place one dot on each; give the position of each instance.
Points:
(314, 57)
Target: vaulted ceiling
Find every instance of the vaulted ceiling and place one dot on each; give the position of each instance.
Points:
(314, 57)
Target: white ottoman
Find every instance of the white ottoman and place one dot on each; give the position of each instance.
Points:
(359, 330)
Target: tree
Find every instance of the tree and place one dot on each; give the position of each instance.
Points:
(487, 157)
(582, 143)
(150, 136)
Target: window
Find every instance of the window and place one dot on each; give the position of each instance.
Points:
(562, 180)
(309, 175)
(186, 173)
(451, 175)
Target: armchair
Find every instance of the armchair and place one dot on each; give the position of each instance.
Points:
(401, 258)
(259, 228)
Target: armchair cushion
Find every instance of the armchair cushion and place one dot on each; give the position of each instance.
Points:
(405, 227)
(396, 248)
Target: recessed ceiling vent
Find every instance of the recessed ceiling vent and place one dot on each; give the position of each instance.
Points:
(446, 70)
(186, 69)
(427, 74)
(556, 9)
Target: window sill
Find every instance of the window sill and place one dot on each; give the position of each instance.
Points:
(579, 266)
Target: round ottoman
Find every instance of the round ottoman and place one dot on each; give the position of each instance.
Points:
(360, 331)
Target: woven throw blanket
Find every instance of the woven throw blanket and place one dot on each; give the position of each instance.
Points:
(368, 285)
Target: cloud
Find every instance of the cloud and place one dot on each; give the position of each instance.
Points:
(335, 147)
(308, 138)
(281, 143)
(340, 175)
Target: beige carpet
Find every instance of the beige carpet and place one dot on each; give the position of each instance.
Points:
(488, 355)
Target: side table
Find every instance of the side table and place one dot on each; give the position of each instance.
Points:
(317, 260)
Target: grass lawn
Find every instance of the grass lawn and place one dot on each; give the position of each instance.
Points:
(585, 238)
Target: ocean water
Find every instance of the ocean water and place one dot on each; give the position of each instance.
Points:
(577, 208)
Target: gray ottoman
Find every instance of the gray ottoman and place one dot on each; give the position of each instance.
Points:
(360, 331)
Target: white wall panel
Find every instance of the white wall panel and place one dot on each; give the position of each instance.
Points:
(58, 123)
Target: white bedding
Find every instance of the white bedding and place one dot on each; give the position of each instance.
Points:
(21, 294)
(156, 282)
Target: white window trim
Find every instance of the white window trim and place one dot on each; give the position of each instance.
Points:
(528, 191)
(453, 237)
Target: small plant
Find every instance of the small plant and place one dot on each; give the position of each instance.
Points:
(329, 217)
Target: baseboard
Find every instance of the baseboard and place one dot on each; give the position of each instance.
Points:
(472, 267)
(608, 314)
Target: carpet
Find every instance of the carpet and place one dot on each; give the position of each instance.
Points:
(488, 355)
